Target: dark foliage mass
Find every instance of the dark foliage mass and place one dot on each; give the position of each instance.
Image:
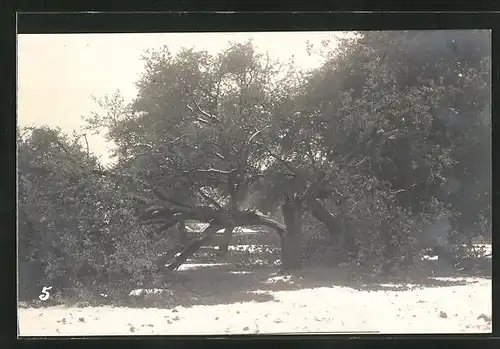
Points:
(378, 155)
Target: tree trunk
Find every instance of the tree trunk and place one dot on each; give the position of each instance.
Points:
(291, 249)
(334, 226)
(226, 241)
(233, 188)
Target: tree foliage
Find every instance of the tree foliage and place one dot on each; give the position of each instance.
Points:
(411, 110)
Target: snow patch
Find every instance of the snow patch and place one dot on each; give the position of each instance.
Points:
(140, 291)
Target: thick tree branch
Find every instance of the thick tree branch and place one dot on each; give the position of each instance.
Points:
(237, 219)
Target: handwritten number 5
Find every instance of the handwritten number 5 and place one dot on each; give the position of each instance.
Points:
(45, 293)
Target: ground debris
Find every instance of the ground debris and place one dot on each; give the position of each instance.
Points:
(484, 317)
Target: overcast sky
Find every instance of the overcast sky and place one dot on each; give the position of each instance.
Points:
(58, 73)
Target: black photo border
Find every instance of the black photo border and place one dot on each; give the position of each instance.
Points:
(60, 19)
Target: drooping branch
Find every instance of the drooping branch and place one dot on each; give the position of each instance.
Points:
(194, 246)
(226, 220)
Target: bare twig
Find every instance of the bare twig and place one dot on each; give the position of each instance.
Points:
(87, 144)
(404, 189)
(361, 161)
(214, 170)
(201, 111)
(204, 113)
(179, 138)
(26, 130)
(203, 121)
(220, 156)
(256, 133)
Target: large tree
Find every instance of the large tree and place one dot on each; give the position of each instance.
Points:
(190, 134)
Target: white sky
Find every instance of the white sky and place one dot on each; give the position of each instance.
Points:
(58, 73)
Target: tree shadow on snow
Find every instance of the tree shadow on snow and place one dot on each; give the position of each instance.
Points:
(206, 284)
(227, 284)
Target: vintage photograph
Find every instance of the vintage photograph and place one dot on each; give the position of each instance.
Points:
(254, 183)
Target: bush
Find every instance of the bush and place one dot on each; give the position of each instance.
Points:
(76, 229)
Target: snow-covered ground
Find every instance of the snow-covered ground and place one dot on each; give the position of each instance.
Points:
(220, 299)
